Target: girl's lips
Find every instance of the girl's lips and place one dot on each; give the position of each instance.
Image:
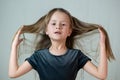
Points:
(57, 32)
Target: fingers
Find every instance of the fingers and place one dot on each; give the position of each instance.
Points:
(18, 33)
(20, 30)
(17, 40)
(20, 40)
(102, 31)
(100, 28)
(102, 34)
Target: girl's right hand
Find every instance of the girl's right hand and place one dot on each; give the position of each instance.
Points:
(17, 40)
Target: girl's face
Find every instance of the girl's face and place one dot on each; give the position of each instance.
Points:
(58, 27)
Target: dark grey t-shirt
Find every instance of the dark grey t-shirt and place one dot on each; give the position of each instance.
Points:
(63, 67)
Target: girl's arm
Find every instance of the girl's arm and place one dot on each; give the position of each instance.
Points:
(14, 69)
(99, 71)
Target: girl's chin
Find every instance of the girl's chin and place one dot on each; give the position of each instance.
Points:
(57, 39)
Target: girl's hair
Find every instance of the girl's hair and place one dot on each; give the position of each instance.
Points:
(78, 28)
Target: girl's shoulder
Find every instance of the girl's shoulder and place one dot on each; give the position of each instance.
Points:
(76, 50)
(40, 51)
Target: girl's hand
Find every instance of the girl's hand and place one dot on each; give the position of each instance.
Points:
(17, 40)
(102, 34)
(99, 71)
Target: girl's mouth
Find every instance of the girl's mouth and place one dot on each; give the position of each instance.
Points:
(57, 32)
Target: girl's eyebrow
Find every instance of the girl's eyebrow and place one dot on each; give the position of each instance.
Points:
(61, 21)
(53, 20)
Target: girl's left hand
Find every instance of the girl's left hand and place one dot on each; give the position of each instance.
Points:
(102, 34)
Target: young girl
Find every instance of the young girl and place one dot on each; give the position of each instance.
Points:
(54, 57)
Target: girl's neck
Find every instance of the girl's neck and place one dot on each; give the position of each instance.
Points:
(58, 45)
(58, 48)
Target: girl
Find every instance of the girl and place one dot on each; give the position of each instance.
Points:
(54, 57)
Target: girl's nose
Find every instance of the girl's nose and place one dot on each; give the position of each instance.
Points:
(58, 27)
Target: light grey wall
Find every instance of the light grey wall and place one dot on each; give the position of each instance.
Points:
(14, 13)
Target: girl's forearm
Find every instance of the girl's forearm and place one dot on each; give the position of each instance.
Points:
(102, 68)
(13, 63)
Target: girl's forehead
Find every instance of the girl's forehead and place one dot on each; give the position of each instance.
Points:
(60, 16)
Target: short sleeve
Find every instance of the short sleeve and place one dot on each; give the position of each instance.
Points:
(32, 60)
(82, 60)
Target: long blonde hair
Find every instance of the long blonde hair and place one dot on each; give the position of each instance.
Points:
(78, 28)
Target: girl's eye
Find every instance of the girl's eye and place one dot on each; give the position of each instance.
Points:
(63, 24)
(53, 23)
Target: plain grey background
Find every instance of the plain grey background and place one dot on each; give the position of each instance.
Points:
(14, 13)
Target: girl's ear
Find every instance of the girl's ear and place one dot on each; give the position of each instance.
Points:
(70, 31)
(46, 32)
